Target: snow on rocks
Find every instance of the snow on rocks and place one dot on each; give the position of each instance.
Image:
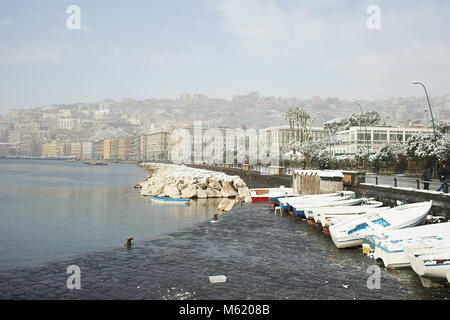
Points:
(178, 181)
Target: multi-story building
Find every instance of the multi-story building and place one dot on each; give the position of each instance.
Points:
(76, 149)
(110, 149)
(5, 127)
(157, 145)
(87, 150)
(98, 150)
(49, 150)
(124, 149)
(352, 140)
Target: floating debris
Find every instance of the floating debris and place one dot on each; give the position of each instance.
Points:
(217, 279)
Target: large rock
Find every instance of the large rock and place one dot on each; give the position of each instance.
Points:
(239, 183)
(227, 190)
(226, 205)
(214, 184)
(244, 192)
(189, 192)
(171, 192)
(201, 194)
(213, 193)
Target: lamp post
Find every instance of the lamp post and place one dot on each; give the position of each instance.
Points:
(367, 142)
(432, 119)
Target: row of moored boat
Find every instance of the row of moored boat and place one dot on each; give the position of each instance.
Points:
(398, 236)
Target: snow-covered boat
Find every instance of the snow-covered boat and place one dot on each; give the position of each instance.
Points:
(167, 200)
(390, 246)
(329, 216)
(286, 203)
(358, 209)
(306, 209)
(352, 233)
(264, 194)
(430, 261)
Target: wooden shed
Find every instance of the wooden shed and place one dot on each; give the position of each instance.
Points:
(317, 181)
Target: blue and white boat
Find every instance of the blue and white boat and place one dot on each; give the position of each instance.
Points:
(430, 262)
(306, 209)
(353, 232)
(392, 246)
(167, 200)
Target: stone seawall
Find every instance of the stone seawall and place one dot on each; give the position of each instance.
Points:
(252, 179)
(389, 196)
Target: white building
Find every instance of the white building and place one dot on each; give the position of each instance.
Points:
(352, 140)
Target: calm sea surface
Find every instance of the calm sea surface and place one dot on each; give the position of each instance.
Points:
(51, 210)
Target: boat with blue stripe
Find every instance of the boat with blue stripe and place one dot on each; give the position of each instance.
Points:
(352, 233)
(167, 200)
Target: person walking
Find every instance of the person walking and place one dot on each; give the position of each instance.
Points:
(426, 176)
(442, 174)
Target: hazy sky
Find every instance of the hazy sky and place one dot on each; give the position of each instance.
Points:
(144, 49)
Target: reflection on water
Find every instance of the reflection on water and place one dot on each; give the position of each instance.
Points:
(54, 209)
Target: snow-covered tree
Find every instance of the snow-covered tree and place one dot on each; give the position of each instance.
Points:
(443, 126)
(386, 156)
(370, 119)
(333, 125)
(442, 150)
(421, 147)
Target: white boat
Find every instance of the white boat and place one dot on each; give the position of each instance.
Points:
(448, 276)
(390, 246)
(430, 261)
(332, 216)
(264, 194)
(352, 233)
(306, 209)
(285, 203)
(344, 210)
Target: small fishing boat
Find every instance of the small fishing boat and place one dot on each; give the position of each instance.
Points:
(391, 246)
(430, 261)
(167, 200)
(306, 209)
(286, 203)
(344, 210)
(324, 216)
(264, 194)
(352, 233)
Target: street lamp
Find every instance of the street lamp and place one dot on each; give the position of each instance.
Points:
(432, 118)
(367, 142)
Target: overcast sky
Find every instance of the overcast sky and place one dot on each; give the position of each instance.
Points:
(145, 49)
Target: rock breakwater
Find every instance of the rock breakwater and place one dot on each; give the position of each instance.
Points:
(178, 181)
